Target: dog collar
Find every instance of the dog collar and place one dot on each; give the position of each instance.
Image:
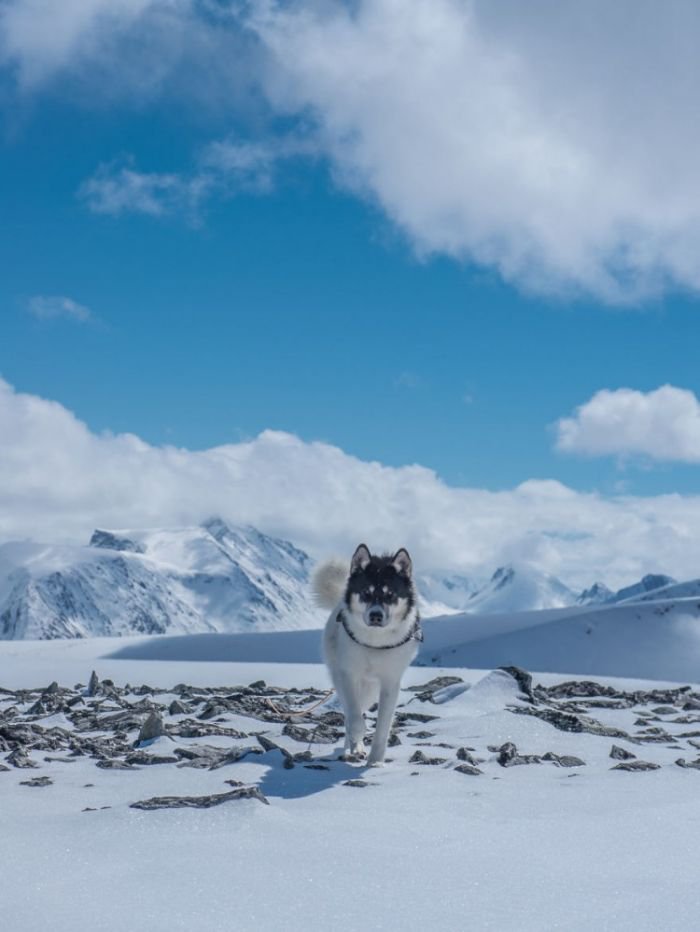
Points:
(415, 634)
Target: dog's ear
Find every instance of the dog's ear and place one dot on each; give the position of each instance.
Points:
(360, 558)
(402, 562)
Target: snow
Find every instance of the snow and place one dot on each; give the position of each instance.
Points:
(529, 847)
(520, 588)
(177, 580)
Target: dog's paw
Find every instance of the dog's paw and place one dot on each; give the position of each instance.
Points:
(353, 757)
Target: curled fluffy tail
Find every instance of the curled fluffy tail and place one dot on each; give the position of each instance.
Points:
(328, 583)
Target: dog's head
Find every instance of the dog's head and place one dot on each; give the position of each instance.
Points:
(380, 589)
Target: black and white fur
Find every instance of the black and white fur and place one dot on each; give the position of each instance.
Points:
(370, 638)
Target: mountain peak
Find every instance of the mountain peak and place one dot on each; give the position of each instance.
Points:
(107, 540)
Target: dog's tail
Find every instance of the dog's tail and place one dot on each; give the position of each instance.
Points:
(328, 583)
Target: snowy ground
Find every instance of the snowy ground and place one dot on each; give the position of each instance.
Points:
(529, 847)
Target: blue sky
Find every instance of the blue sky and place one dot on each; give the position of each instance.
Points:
(302, 309)
(444, 233)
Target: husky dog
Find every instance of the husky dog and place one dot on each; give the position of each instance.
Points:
(370, 638)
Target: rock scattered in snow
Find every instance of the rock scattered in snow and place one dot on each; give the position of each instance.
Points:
(200, 802)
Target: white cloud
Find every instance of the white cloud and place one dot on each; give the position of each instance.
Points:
(224, 168)
(116, 189)
(41, 37)
(58, 480)
(554, 143)
(530, 138)
(663, 424)
(50, 307)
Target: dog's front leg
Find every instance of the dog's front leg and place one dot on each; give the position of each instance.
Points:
(354, 747)
(388, 696)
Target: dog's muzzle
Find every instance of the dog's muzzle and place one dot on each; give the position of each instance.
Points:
(375, 616)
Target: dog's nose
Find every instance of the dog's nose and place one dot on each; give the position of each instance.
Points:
(376, 616)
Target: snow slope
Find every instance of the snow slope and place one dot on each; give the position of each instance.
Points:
(532, 847)
(519, 589)
(209, 578)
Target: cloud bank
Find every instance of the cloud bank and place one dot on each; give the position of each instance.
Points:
(552, 142)
(663, 424)
(59, 480)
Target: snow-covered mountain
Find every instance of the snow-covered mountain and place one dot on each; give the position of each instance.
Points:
(210, 578)
(595, 595)
(444, 595)
(222, 578)
(651, 585)
(518, 589)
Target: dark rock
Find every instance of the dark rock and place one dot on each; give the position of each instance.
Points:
(636, 765)
(695, 764)
(19, 758)
(316, 767)
(522, 678)
(142, 757)
(508, 756)
(402, 718)
(567, 721)
(465, 755)
(200, 802)
(426, 692)
(177, 708)
(37, 781)
(418, 757)
(93, 686)
(618, 753)
(113, 764)
(356, 782)
(321, 734)
(421, 734)
(563, 760)
(152, 728)
(211, 710)
(470, 769)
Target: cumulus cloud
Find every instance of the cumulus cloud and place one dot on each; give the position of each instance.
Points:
(50, 307)
(663, 424)
(58, 480)
(534, 139)
(531, 138)
(40, 37)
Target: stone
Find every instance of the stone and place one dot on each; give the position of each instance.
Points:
(418, 757)
(694, 764)
(464, 754)
(37, 781)
(522, 678)
(563, 760)
(151, 728)
(200, 802)
(508, 756)
(20, 759)
(321, 734)
(470, 769)
(93, 686)
(636, 765)
(618, 753)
